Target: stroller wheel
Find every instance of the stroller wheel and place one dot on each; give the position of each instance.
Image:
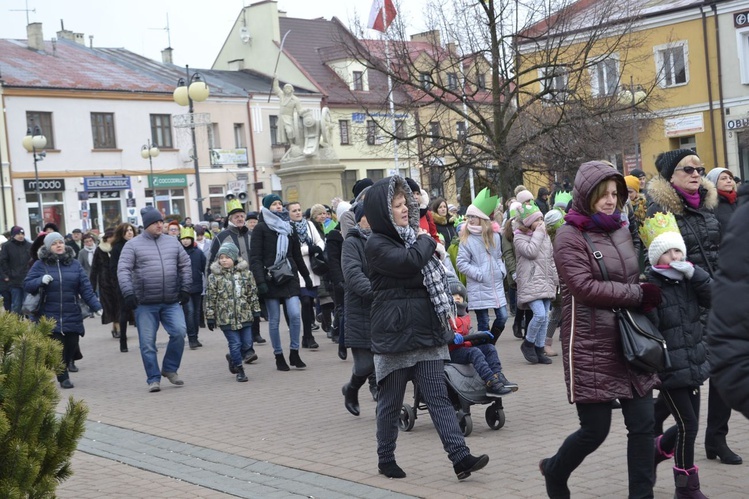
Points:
(407, 418)
(495, 417)
(466, 423)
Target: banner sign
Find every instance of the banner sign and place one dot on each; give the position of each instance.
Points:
(229, 156)
(106, 183)
(165, 181)
(45, 185)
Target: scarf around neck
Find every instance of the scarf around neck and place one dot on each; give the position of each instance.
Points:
(363, 233)
(692, 200)
(600, 222)
(278, 223)
(302, 230)
(668, 272)
(729, 196)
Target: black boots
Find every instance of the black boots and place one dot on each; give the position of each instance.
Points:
(123, 343)
(660, 455)
(529, 352)
(496, 332)
(309, 342)
(541, 356)
(342, 352)
(281, 364)
(241, 376)
(719, 448)
(192, 342)
(687, 484)
(555, 489)
(351, 393)
(469, 464)
(295, 361)
(391, 470)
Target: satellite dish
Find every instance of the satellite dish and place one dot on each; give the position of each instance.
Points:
(244, 34)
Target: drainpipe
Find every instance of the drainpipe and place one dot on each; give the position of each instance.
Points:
(252, 152)
(720, 85)
(709, 87)
(2, 170)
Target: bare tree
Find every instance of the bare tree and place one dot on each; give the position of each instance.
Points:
(501, 88)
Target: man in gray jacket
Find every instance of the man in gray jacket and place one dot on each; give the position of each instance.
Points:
(155, 277)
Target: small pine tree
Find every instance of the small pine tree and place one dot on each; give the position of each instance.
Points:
(36, 445)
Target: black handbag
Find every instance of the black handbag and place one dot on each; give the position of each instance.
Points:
(643, 345)
(33, 303)
(281, 272)
(318, 262)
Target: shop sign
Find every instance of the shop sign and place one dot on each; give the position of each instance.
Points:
(737, 123)
(684, 125)
(166, 181)
(45, 185)
(220, 157)
(106, 183)
(741, 19)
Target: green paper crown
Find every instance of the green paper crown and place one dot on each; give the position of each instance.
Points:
(562, 199)
(233, 205)
(527, 210)
(187, 232)
(459, 219)
(656, 225)
(485, 202)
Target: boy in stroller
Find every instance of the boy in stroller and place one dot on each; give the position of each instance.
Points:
(478, 349)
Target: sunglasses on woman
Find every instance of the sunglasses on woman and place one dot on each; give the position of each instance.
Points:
(691, 169)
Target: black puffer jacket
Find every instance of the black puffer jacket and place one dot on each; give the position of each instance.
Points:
(678, 318)
(334, 278)
(263, 255)
(358, 295)
(403, 317)
(724, 211)
(14, 259)
(728, 327)
(697, 226)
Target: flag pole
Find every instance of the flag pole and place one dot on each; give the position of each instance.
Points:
(390, 91)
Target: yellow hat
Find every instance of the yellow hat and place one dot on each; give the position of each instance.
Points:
(187, 232)
(632, 182)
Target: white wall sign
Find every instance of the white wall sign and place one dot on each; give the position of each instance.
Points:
(684, 125)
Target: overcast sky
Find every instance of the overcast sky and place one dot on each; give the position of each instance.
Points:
(198, 28)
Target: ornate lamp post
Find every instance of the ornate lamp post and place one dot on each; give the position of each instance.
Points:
(633, 95)
(36, 141)
(150, 151)
(191, 89)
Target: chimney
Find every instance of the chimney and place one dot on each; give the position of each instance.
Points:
(65, 34)
(34, 35)
(166, 55)
(432, 37)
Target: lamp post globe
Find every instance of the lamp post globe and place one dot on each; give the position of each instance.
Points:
(34, 141)
(149, 151)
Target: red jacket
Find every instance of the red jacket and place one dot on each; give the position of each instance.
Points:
(427, 223)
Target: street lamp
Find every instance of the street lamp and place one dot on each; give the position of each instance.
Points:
(633, 95)
(36, 141)
(191, 89)
(150, 151)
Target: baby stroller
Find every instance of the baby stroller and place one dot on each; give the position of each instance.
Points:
(465, 388)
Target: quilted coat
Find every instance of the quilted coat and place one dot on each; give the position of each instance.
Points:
(696, 225)
(358, 291)
(728, 327)
(231, 296)
(485, 272)
(594, 366)
(69, 281)
(536, 272)
(154, 269)
(403, 316)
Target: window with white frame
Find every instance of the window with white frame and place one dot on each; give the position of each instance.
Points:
(554, 82)
(604, 77)
(671, 62)
(742, 39)
(425, 81)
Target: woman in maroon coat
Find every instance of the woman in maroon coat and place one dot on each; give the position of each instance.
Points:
(595, 369)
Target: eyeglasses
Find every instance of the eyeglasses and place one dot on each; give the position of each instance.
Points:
(691, 169)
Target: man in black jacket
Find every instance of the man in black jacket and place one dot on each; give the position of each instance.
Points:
(14, 264)
(77, 242)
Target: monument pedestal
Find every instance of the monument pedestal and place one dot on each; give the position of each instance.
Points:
(311, 180)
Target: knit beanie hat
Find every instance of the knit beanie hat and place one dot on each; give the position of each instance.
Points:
(51, 238)
(666, 161)
(660, 233)
(515, 209)
(554, 218)
(359, 212)
(270, 199)
(413, 185)
(519, 188)
(229, 249)
(529, 213)
(632, 183)
(17, 229)
(524, 196)
(251, 215)
(342, 208)
(457, 288)
(713, 174)
(360, 185)
(475, 212)
(150, 215)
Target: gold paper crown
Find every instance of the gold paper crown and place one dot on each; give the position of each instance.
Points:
(485, 202)
(187, 232)
(656, 225)
(233, 205)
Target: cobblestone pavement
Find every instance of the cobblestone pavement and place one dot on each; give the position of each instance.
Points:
(288, 434)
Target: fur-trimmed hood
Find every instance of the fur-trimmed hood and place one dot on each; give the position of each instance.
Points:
(240, 265)
(50, 258)
(661, 192)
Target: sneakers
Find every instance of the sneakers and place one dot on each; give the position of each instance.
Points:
(173, 378)
(541, 356)
(241, 376)
(391, 470)
(250, 357)
(154, 386)
(469, 464)
(508, 384)
(232, 368)
(528, 350)
(66, 383)
(495, 388)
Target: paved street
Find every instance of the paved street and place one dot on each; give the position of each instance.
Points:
(288, 434)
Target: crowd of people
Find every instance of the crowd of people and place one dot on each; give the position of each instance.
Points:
(391, 278)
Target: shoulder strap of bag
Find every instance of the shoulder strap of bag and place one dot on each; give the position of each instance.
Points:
(699, 243)
(597, 255)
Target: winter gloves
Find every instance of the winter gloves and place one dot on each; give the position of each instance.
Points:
(686, 268)
(131, 302)
(262, 289)
(184, 297)
(46, 279)
(651, 296)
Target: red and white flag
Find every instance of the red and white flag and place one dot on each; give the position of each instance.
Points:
(382, 15)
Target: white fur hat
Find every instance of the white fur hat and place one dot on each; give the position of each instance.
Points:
(523, 197)
(663, 243)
